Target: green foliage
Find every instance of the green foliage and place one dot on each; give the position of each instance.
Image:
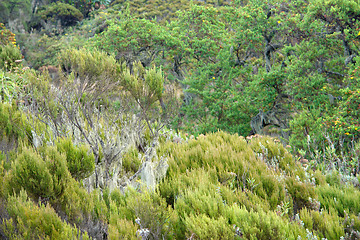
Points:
(264, 225)
(43, 176)
(146, 86)
(67, 14)
(42, 50)
(203, 227)
(6, 36)
(323, 223)
(162, 11)
(131, 161)
(80, 162)
(13, 123)
(89, 65)
(12, 9)
(10, 57)
(121, 229)
(341, 199)
(31, 221)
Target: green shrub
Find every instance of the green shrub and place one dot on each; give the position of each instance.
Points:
(80, 161)
(94, 65)
(201, 226)
(131, 161)
(31, 173)
(13, 123)
(325, 224)
(9, 54)
(42, 176)
(264, 225)
(343, 199)
(121, 229)
(67, 14)
(31, 221)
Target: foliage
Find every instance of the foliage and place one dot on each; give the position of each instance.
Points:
(13, 123)
(80, 162)
(6, 36)
(29, 220)
(10, 57)
(162, 11)
(88, 64)
(77, 144)
(67, 14)
(43, 176)
(146, 86)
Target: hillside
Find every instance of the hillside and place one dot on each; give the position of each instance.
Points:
(179, 119)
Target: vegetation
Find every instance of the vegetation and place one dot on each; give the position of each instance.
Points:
(179, 119)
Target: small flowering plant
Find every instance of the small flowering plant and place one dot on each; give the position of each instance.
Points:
(345, 122)
(6, 36)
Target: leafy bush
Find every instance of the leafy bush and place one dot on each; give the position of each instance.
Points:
(67, 14)
(13, 124)
(43, 176)
(9, 57)
(6, 36)
(80, 161)
(31, 221)
(88, 65)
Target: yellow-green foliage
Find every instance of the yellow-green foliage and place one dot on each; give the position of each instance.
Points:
(340, 198)
(222, 154)
(80, 161)
(67, 14)
(12, 123)
(163, 11)
(201, 226)
(88, 64)
(131, 161)
(121, 229)
(79, 205)
(327, 225)
(262, 224)
(146, 86)
(210, 177)
(31, 221)
(44, 175)
(218, 186)
(8, 55)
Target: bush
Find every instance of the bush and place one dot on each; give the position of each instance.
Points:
(80, 161)
(88, 64)
(67, 14)
(43, 176)
(30, 221)
(9, 54)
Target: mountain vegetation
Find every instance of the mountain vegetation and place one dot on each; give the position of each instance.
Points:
(179, 119)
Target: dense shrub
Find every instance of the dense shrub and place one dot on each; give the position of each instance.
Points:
(88, 64)
(80, 161)
(10, 57)
(31, 221)
(42, 175)
(67, 14)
